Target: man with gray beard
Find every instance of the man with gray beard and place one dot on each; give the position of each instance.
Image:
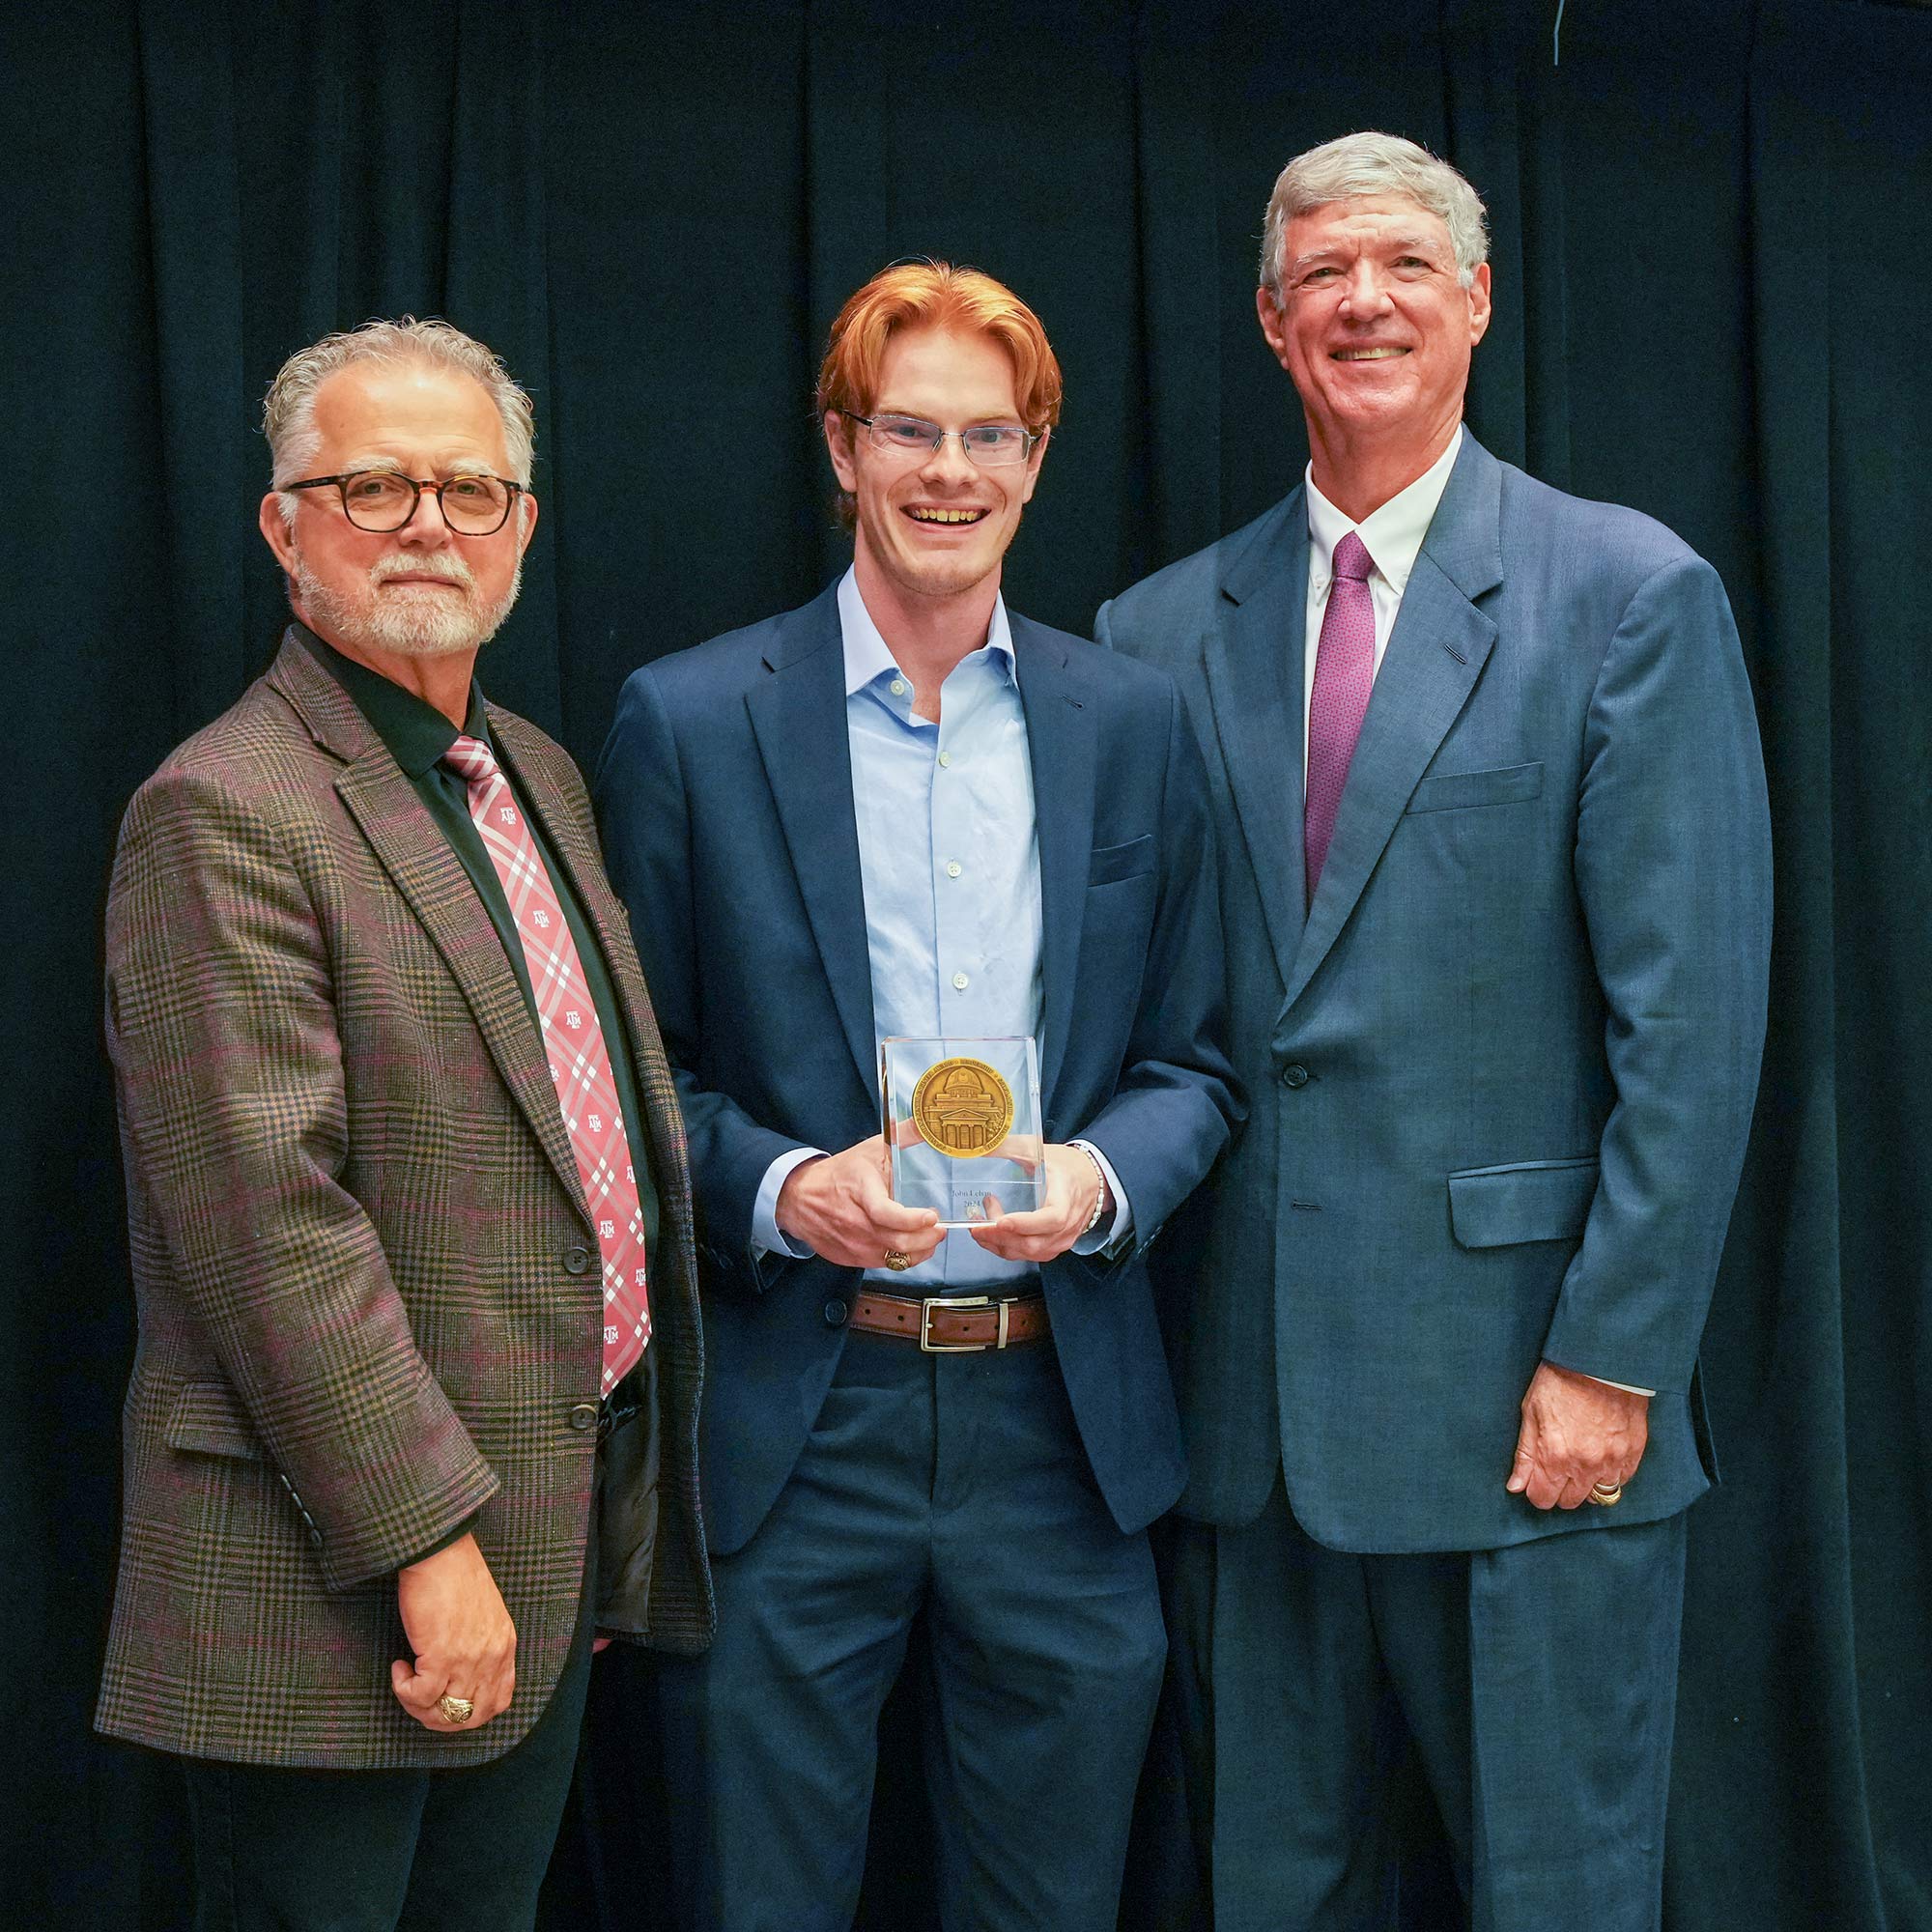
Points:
(413, 1411)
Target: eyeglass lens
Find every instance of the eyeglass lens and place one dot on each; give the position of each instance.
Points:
(474, 505)
(987, 444)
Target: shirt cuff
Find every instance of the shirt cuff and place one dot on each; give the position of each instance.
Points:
(1628, 1388)
(765, 1235)
(1104, 1240)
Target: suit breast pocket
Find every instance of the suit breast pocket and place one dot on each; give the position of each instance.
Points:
(1111, 863)
(1462, 791)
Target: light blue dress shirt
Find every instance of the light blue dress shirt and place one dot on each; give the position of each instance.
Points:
(949, 858)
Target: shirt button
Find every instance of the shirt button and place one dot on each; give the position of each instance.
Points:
(898, 687)
(952, 869)
(945, 757)
(961, 981)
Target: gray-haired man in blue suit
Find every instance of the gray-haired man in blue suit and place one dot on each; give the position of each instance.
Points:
(1495, 885)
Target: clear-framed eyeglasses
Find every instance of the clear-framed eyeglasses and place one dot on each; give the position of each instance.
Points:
(989, 446)
(383, 501)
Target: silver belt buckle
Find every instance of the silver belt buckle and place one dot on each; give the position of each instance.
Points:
(929, 1347)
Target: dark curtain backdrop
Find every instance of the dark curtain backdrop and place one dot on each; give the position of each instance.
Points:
(1712, 226)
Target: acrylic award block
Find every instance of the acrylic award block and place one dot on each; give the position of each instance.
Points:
(961, 1120)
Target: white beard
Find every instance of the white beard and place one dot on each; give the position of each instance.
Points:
(409, 620)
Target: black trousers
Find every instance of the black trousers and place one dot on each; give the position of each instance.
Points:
(463, 1849)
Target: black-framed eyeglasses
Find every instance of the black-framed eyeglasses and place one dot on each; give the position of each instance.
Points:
(990, 445)
(382, 500)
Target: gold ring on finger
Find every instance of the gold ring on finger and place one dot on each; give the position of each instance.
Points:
(458, 1710)
(898, 1260)
(1607, 1494)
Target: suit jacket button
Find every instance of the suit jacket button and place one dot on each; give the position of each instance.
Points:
(835, 1313)
(583, 1416)
(576, 1258)
(1294, 1075)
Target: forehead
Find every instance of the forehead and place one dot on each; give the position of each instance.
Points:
(412, 412)
(949, 372)
(1366, 221)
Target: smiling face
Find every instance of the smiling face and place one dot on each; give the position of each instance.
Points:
(1374, 327)
(419, 591)
(929, 523)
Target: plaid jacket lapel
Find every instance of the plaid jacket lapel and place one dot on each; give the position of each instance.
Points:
(433, 884)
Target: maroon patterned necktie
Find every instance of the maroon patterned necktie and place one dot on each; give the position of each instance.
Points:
(587, 1093)
(1345, 674)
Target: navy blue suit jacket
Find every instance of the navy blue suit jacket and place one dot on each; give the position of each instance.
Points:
(725, 793)
(1501, 1069)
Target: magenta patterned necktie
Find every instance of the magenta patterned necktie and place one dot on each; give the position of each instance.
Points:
(580, 1064)
(1344, 672)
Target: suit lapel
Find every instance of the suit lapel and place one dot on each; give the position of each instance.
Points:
(1436, 653)
(1061, 747)
(1254, 669)
(432, 882)
(798, 716)
(427, 874)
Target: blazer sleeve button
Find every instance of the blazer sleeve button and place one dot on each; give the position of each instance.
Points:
(576, 1258)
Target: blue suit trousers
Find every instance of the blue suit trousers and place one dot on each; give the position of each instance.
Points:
(1538, 1682)
(952, 1488)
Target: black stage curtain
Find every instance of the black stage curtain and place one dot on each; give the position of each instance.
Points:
(1712, 221)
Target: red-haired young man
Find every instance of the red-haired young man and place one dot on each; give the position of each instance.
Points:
(904, 811)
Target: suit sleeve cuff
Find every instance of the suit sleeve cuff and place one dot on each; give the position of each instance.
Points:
(765, 1235)
(1108, 1239)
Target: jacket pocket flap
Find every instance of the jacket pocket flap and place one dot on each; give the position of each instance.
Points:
(1526, 1200)
(1111, 863)
(1453, 790)
(206, 1420)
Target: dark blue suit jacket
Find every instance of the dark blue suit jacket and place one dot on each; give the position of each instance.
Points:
(726, 797)
(1501, 1071)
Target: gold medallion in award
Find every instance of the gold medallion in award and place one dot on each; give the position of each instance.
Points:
(962, 1107)
(961, 1124)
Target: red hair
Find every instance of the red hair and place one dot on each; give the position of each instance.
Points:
(934, 295)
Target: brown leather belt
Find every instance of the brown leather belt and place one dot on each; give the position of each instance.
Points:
(952, 1325)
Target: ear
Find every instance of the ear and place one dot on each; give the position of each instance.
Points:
(838, 446)
(276, 534)
(528, 522)
(1268, 313)
(1479, 304)
(1032, 464)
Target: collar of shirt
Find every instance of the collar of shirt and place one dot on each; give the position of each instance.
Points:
(1392, 535)
(416, 733)
(869, 661)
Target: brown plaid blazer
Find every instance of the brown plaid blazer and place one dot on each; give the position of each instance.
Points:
(365, 1273)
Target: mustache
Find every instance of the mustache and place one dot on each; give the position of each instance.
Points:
(432, 564)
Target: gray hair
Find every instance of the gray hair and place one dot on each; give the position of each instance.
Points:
(1359, 164)
(288, 413)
